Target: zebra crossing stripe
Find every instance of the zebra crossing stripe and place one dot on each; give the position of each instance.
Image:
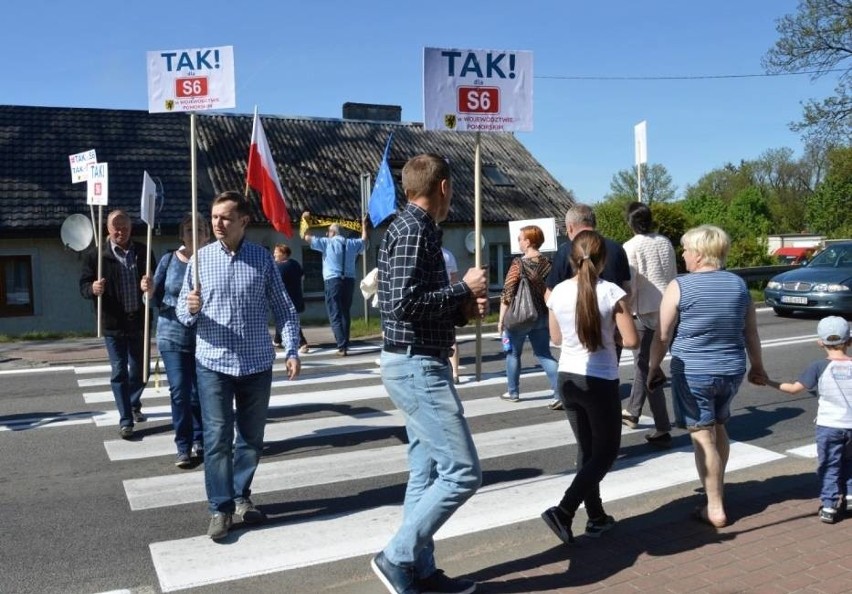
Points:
(163, 445)
(185, 563)
(176, 489)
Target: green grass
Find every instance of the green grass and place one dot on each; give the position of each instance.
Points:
(43, 336)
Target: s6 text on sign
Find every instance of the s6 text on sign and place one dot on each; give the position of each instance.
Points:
(477, 90)
(195, 79)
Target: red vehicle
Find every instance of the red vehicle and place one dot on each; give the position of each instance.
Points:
(794, 255)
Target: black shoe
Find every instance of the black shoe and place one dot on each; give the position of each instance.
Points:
(439, 583)
(197, 450)
(597, 526)
(561, 525)
(663, 440)
(183, 461)
(138, 417)
(126, 432)
(398, 580)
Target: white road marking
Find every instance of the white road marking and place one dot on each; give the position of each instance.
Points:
(185, 563)
(162, 445)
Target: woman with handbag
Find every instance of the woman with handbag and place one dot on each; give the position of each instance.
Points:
(523, 312)
(584, 314)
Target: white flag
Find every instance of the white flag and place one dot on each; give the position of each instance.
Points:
(640, 139)
(148, 205)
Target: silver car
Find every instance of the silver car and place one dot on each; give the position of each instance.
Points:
(822, 285)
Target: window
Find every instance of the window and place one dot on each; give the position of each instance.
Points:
(312, 265)
(496, 177)
(499, 258)
(16, 286)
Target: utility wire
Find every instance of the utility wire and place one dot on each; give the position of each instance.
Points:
(688, 77)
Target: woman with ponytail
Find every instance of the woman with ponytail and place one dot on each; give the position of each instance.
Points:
(584, 313)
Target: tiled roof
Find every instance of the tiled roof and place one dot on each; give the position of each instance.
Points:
(319, 162)
(36, 193)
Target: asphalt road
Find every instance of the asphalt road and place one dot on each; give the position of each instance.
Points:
(69, 525)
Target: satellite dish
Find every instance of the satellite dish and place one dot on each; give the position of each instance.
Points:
(77, 232)
(470, 242)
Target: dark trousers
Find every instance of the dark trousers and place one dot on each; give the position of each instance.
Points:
(125, 359)
(338, 302)
(594, 412)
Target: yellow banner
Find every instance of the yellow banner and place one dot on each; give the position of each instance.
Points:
(316, 221)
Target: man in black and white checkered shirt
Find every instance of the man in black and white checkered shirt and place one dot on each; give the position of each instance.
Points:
(419, 309)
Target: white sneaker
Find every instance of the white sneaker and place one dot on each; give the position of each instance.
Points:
(510, 397)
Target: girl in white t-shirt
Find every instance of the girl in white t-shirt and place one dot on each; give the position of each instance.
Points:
(584, 314)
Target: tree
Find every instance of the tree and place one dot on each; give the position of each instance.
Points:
(611, 216)
(656, 185)
(827, 211)
(818, 38)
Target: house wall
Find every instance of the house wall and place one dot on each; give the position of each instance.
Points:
(58, 306)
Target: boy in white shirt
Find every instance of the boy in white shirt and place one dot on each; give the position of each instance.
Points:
(831, 380)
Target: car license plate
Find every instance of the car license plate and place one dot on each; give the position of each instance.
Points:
(794, 300)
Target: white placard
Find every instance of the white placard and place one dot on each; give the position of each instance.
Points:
(195, 79)
(478, 90)
(97, 188)
(640, 140)
(547, 226)
(80, 163)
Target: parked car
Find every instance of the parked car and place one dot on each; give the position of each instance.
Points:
(823, 284)
(794, 255)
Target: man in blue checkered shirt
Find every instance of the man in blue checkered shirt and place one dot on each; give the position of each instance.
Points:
(239, 284)
(419, 308)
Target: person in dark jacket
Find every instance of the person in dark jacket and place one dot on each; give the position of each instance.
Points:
(292, 274)
(122, 309)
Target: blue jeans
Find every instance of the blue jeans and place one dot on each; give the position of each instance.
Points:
(444, 467)
(183, 389)
(539, 337)
(125, 359)
(338, 302)
(834, 448)
(229, 465)
(705, 400)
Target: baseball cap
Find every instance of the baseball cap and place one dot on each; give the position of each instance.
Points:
(833, 330)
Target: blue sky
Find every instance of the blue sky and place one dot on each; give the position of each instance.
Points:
(308, 58)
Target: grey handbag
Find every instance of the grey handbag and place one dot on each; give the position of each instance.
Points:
(522, 313)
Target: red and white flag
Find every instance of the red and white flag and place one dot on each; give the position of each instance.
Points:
(263, 178)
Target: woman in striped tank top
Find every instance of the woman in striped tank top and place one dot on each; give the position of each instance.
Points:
(708, 319)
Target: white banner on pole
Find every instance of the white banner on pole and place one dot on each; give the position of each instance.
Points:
(148, 204)
(640, 140)
(478, 90)
(80, 163)
(97, 186)
(547, 226)
(195, 79)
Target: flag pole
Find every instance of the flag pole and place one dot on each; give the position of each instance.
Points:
(146, 354)
(100, 265)
(193, 167)
(365, 197)
(252, 133)
(477, 231)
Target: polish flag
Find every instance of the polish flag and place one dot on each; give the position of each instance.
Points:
(263, 178)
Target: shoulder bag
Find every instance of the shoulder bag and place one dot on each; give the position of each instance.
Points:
(522, 313)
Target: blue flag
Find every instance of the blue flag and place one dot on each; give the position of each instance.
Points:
(383, 198)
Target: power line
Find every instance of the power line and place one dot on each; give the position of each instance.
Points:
(688, 76)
